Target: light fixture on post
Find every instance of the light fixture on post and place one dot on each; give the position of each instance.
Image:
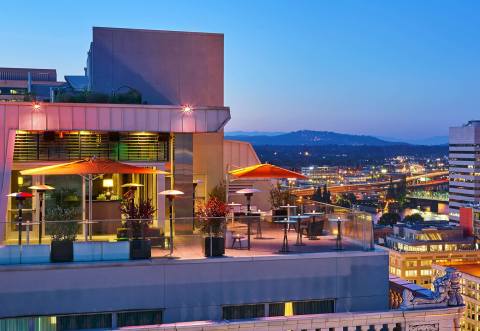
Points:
(40, 190)
(171, 195)
(20, 197)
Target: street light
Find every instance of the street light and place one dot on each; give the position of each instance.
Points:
(20, 197)
(41, 188)
(171, 195)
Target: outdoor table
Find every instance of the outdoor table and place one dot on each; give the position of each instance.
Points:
(314, 215)
(339, 221)
(299, 219)
(288, 208)
(286, 223)
(237, 238)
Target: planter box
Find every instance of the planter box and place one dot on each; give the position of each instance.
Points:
(87, 251)
(115, 251)
(31, 254)
(10, 254)
(140, 249)
(218, 246)
(61, 251)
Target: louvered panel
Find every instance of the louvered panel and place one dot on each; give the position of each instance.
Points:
(58, 146)
(25, 146)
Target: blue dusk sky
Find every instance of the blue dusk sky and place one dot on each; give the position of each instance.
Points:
(405, 69)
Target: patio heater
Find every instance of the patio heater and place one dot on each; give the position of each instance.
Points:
(20, 197)
(171, 195)
(248, 193)
(40, 189)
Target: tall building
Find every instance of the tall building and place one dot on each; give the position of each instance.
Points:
(464, 151)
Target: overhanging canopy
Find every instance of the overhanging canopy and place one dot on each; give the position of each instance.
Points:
(265, 171)
(91, 166)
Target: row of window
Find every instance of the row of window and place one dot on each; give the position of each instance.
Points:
(83, 321)
(292, 308)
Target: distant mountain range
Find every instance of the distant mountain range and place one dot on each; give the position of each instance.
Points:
(319, 138)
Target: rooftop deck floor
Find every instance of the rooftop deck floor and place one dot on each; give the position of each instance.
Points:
(191, 246)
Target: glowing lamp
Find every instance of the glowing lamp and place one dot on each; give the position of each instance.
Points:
(36, 106)
(108, 182)
(187, 109)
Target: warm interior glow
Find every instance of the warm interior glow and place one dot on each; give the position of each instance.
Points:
(108, 182)
(288, 308)
(20, 181)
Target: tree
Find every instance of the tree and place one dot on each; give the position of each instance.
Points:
(280, 197)
(219, 192)
(413, 219)
(343, 202)
(389, 219)
(326, 195)
(317, 194)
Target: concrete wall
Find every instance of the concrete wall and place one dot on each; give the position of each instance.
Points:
(240, 154)
(440, 319)
(208, 161)
(195, 289)
(167, 67)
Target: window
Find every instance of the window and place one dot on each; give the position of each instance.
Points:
(410, 273)
(243, 311)
(90, 321)
(147, 317)
(313, 307)
(426, 272)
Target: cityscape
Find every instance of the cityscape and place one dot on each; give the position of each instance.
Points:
(165, 166)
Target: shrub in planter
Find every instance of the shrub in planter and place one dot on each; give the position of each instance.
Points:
(212, 216)
(64, 231)
(138, 218)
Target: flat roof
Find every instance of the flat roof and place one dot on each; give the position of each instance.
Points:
(472, 269)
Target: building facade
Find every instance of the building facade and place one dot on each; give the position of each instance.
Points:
(464, 171)
(413, 249)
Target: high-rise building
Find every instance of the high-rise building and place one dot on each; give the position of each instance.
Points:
(464, 157)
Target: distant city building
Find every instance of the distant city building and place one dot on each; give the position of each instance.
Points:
(414, 248)
(322, 174)
(464, 170)
(18, 83)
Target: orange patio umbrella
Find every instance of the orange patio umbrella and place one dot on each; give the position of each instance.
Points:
(265, 171)
(89, 167)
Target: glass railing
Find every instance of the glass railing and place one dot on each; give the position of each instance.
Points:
(320, 228)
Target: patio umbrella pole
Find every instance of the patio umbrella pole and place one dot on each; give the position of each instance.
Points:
(84, 208)
(20, 219)
(170, 200)
(90, 204)
(40, 216)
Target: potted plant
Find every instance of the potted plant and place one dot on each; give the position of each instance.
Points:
(137, 219)
(280, 197)
(212, 216)
(64, 230)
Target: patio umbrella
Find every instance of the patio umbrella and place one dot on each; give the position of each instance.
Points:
(89, 167)
(265, 171)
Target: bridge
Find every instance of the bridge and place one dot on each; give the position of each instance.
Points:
(431, 179)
